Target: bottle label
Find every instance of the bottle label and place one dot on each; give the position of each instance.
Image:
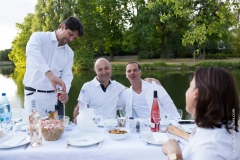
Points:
(1, 110)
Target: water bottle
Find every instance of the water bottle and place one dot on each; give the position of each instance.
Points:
(131, 123)
(5, 110)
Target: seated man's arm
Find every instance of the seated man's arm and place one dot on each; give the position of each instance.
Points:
(75, 114)
(150, 80)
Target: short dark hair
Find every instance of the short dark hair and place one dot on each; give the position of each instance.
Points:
(217, 99)
(73, 24)
(139, 67)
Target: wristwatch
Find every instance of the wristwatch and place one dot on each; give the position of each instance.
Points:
(174, 156)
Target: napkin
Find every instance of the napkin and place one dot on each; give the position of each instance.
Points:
(188, 127)
(160, 137)
(13, 141)
(81, 140)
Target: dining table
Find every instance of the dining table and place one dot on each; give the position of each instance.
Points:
(130, 148)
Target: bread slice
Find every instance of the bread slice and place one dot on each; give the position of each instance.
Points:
(178, 132)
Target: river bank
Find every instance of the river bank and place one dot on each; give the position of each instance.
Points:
(6, 63)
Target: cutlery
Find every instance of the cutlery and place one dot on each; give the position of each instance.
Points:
(99, 145)
(26, 146)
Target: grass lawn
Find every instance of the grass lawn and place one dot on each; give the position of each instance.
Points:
(188, 61)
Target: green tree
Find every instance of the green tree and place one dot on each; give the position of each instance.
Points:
(207, 17)
(19, 43)
(4, 54)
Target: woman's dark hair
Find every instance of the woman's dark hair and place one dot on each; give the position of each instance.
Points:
(73, 24)
(217, 101)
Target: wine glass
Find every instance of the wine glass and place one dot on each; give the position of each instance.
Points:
(180, 111)
(97, 117)
(8, 126)
(123, 113)
(156, 119)
(16, 119)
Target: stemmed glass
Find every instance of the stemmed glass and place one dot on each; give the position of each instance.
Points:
(8, 127)
(16, 119)
(97, 117)
(156, 119)
(180, 111)
(123, 113)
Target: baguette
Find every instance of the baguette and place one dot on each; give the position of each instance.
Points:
(178, 132)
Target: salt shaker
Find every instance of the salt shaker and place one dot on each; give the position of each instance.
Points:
(138, 126)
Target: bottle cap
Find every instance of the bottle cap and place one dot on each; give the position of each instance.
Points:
(155, 94)
(3, 94)
(131, 117)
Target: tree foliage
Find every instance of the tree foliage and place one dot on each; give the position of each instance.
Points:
(150, 29)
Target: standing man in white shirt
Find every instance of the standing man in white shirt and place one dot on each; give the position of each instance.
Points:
(49, 65)
(138, 98)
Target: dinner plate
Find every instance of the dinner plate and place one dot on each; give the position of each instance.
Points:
(22, 141)
(149, 138)
(84, 139)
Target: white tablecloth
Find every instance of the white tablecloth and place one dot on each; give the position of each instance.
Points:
(130, 148)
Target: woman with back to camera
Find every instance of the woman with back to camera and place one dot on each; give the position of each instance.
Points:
(213, 101)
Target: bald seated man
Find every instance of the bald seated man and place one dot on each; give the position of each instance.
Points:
(102, 93)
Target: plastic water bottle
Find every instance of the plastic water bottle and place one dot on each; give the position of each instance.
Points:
(5, 110)
(131, 123)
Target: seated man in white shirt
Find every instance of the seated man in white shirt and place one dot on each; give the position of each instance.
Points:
(138, 98)
(102, 93)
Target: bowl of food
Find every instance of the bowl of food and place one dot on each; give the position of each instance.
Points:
(118, 133)
(52, 129)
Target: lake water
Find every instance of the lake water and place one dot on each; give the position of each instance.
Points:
(175, 82)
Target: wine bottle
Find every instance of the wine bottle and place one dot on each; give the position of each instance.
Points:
(35, 128)
(155, 107)
(59, 106)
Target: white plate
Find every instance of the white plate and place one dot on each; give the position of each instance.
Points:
(25, 141)
(84, 139)
(149, 138)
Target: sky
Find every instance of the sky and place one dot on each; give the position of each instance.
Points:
(12, 12)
